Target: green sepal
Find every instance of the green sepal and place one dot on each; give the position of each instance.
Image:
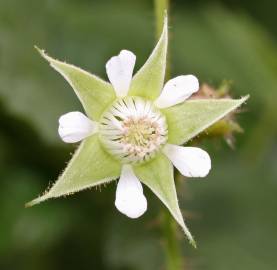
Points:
(94, 93)
(90, 166)
(148, 81)
(188, 119)
(157, 174)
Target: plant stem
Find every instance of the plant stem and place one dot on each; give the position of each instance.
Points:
(160, 7)
(174, 260)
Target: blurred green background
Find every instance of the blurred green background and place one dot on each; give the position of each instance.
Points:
(232, 213)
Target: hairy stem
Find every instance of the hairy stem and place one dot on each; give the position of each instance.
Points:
(161, 6)
(172, 247)
(174, 260)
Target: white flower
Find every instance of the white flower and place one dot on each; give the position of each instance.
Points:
(133, 130)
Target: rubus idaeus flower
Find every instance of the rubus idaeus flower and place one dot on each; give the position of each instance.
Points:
(134, 129)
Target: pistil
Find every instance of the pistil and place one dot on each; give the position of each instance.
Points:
(133, 130)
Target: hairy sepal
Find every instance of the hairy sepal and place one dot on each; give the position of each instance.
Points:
(94, 93)
(90, 166)
(157, 174)
(190, 118)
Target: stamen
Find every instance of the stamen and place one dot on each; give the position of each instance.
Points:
(133, 130)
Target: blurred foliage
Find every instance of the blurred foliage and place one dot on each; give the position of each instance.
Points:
(232, 213)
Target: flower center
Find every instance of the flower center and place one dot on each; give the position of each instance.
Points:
(133, 130)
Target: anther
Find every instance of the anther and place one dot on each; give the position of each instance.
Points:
(133, 130)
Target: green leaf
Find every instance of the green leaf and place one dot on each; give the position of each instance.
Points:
(90, 166)
(94, 93)
(149, 80)
(157, 174)
(188, 119)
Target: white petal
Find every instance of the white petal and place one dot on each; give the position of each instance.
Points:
(75, 126)
(189, 161)
(120, 70)
(177, 90)
(130, 199)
